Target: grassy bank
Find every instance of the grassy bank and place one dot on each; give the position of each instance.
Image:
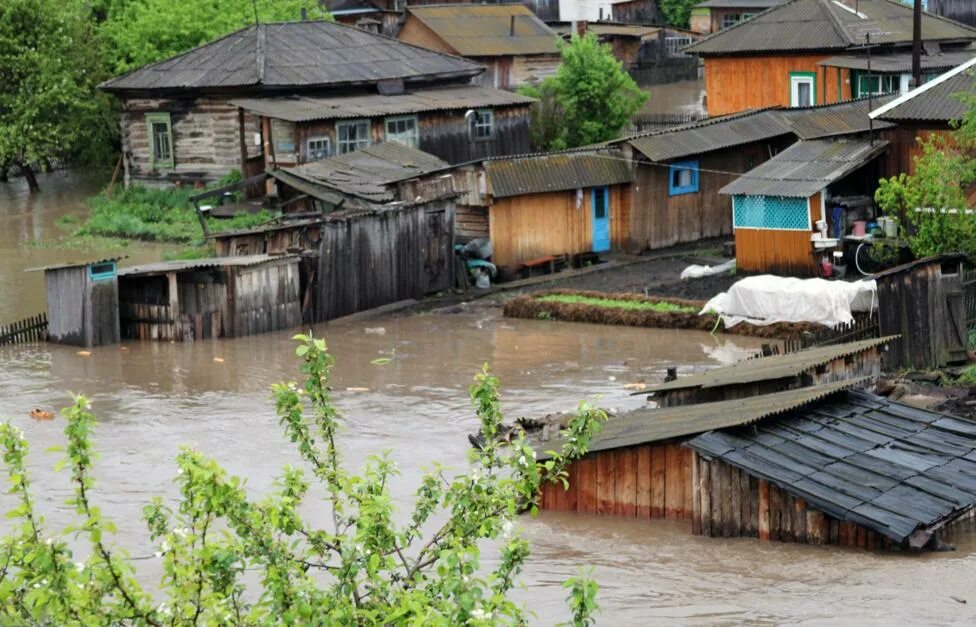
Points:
(618, 303)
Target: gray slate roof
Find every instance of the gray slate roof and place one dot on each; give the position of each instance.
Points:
(163, 267)
(366, 173)
(935, 101)
(809, 25)
(304, 109)
(805, 168)
(294, 54)
(837, 119)
(514, 176)
(863, 459)
(899, 61)
(738, 4)
(768, 368)
(482, 30)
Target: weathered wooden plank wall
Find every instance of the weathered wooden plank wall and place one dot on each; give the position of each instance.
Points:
(67, 304)
(788, 253)
(960, 10)
(647, 481)
(266, 298)
(728, 502)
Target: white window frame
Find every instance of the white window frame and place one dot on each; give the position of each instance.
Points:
(476, 126)
(730, 19)
(314, 148)
(343, 145)
(795, 82)
(409, 137)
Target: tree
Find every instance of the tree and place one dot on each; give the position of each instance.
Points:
(49, 67)
(677, 12)
(361, 568)
(589, 99)
(144, 31)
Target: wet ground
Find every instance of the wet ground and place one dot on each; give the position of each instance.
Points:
(154, 397)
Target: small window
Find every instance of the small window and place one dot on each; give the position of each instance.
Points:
(283, 135)
(318, 148)
(352, 136)
(482, 124)
(404, 130)
(683, 178)
(160, 140)
(730, 19)
(599, 202)
(102, 271)
(803, 89)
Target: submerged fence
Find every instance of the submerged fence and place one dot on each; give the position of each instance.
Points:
(33, 329)
(863, 327)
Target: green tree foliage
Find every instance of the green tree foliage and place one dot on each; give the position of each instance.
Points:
(145, 31)
(49, 67)
(360, 568)
(677, 12)
(589, 99)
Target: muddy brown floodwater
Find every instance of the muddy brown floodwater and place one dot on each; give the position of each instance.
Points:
(153, 398)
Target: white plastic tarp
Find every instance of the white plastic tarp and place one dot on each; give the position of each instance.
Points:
(769, 299)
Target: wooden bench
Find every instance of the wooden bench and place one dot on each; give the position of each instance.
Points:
(546, 264)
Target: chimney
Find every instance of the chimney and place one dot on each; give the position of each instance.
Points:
(581, 27)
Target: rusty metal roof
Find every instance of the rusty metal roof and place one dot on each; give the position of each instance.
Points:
(806, 168)
(304, 109)
(314, 54)
(366, 173)
(164, 267)
(900, 62)
(844, 118)
(900, 470)
(808, 25)
(644, 426)
(768, 368)
(935, 101)
(530, 174)
(487, 30)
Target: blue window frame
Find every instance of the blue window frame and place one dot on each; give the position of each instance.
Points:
(101, 271)
(683, 177)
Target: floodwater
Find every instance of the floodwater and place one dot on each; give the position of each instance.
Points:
(153, 398)
(678, 97)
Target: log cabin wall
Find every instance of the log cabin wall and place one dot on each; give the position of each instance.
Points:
(739, 83)
(729, 503)
(526, 227)
(784, 252)
(647, 481)
(206, 139)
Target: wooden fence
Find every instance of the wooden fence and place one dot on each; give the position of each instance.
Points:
(969, 296)
(646, 122)
(863, 327)
(33, 329)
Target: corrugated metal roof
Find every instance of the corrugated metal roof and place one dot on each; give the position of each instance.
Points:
(163, 267)
(805, 168)
(837, 119)
(74, 264)
(864, 459)
(828, 25)
(712, 134)
(301, 109)
(738, 4)
(368, 172)
(485, 30)
(935, 101)
(293, 54)
(513, 176)
(645, 426)
(899, 61)
(768, 368)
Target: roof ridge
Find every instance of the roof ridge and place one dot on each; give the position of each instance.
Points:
(260, 59)
(716, 119)
(841, 29)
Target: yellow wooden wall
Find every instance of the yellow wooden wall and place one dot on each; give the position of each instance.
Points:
(526, 227)
(787, 253)
(739, 83)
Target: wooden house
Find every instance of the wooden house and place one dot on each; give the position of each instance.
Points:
(514, 45)
(255, 99)
(209, 298)
(775, 206)
(963, 11)
(82, 303)
(378, 16)
(714, 15)
(775, 58)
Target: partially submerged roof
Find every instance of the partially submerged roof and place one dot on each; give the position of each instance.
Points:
(483, 30)
(305, 109)
(529, 174)
(366, 173)
(645, 426)
(806, 168)
(814, 25)
(899, 470)
(935, 101)
(315, 54)
(768, 368)
(164, 267)
(899, 62)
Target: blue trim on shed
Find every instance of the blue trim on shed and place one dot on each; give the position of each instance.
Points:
(678, 166)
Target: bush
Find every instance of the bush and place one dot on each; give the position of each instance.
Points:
(361, 568)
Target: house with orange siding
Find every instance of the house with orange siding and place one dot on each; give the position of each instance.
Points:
(777, 57)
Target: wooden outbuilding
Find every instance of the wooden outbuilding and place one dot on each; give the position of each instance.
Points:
(82, 303)
(210, 298)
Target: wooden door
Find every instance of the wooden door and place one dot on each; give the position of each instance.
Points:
(436, 252)
(957, 335)
(601, 219)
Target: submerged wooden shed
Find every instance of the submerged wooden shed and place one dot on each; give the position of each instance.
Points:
(210, 298)
(82, 303)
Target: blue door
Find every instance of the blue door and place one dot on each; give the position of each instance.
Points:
(601, 219)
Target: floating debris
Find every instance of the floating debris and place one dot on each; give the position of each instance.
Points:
(357, 389)
(375, 330)
(40, 414)
(83, 353)
(219, 360)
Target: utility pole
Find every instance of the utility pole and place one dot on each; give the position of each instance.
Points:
(917, 44)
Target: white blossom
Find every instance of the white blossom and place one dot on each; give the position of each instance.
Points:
(79, 566)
